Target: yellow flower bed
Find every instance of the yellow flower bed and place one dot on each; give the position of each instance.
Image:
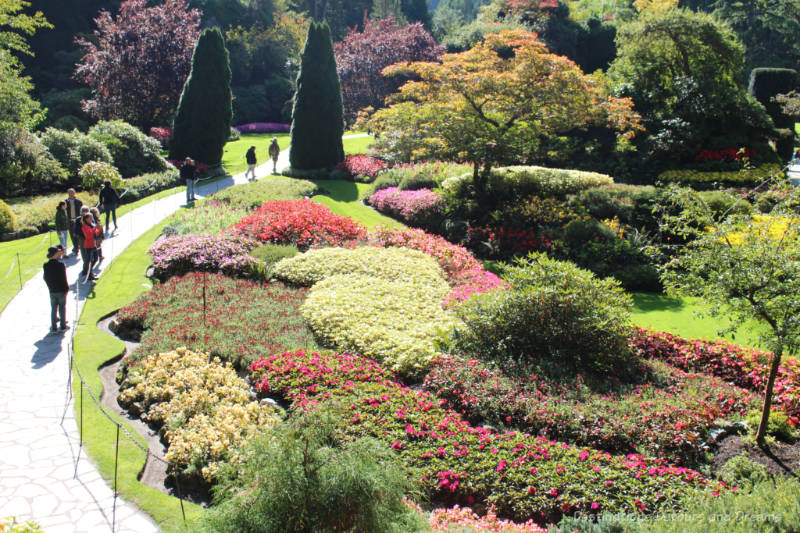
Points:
(204, 408)
(395, 322)
(774, 228)
(393, 263)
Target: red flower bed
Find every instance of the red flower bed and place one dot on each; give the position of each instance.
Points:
(727, 154)
(523, 476)
(362, 165)
(502, 241)
(744, 367)
(669, 416)
(301, 222)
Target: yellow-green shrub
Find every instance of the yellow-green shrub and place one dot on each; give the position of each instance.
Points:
(507, 183)
(742, 177)
(7, 219)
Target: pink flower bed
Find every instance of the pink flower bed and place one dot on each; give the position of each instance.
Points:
(262, 127)
(362, 165)
(447, 519)
(301, 222)
(411, 206)
(162, 135)
(473, 281)
(175, 256)
(744, 367)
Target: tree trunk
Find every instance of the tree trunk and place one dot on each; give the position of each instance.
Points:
(773, 372)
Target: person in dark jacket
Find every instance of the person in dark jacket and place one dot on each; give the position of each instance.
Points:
(250, 157)
(187, 174)
(73, 211)
(109, 201)
(55, 276)
(62, 223)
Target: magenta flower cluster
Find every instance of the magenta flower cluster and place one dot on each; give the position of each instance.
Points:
(472, 281)
(175, 256)
(413, 207)
(262, 127)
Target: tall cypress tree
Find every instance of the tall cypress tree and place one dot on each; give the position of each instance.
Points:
(203, 121)
(317, 116)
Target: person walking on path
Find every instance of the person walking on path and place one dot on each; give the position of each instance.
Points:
(62, 223)
(250, 157)
(99, 240)
(274, 152)
(90, 234)
(74, 205)
(76, 226)
(109, 201)
(55, 276)
(187, 173)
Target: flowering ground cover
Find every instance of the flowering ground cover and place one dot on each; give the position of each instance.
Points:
(361, 167)
(418, 207)
(242, 321)
(667, 414)
(524, 477)
(177, 255)
(300, 222)
(203, 409)
(205, 218)
(742, 366)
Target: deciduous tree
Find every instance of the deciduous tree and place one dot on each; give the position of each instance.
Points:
(138, 61)
(362, 56)
(493, 104)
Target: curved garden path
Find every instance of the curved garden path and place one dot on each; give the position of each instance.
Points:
(38, 476)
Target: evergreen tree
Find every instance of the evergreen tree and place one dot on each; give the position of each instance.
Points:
(203, 121)
(317, 116)
(417, 11)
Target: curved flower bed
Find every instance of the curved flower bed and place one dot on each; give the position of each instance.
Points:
(175, 256)
(523, 476)
(362, 166)
(300, 222)
(744, 367)
(415, 207)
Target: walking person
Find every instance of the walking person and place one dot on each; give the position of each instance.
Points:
(274, 152)
(90, 232)
(109, 201)
(74, 205)
(100, 238)
(62, 223)
(187, 173)
(76, 226)
(55, 276)
(250, 157)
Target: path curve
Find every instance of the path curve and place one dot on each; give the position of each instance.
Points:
(38, 477)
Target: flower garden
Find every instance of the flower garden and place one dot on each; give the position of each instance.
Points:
(512, 401)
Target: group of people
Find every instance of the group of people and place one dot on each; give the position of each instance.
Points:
(250, 157)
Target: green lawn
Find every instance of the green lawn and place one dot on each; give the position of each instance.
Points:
(233, 154)
(33, 250)
(120, 284)
(359, 145)
(344, 198)
(678, 316)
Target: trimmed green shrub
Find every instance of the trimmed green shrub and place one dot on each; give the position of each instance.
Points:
(74, 148)
(256, 193)
(307, 476)
(94, 173)
(765, 84)
(720, 202)
(134, 152)
(8, 221)
(133, 189)
(383, 181)
(507, 183)
(203, 121)
(269, 254)
(706, 179)
(632, 204)
(417, 181)
(35, 214)
(740, 471)
(777, 426)
(556, 313)
(26, 166)
(317, 116)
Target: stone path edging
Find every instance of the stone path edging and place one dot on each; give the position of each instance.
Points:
(39, 480)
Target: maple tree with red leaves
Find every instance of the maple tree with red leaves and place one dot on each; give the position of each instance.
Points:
(138, 61)
(362, 55)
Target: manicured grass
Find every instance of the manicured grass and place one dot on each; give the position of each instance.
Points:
(344, 198)
(678, 316)
(120, 284)
(33, 250)
(233, 154)
(359, 145)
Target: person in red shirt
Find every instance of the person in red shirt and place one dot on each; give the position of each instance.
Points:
(90, 233)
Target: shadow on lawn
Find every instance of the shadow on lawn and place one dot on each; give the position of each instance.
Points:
(650, 301)
(339, 190)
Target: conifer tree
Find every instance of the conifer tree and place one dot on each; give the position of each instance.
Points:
(203, 121)
(317, 116)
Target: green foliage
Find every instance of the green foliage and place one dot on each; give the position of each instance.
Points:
(133, 189)
(26, 166)
(36, 213)
(204, 218)
(464, 37)
(8, 221)
(633, 205)
(253, 194)
(269, 254)
(318, 115)
(134, 152)
(11, 525)
(94, 173)
(741, 178)
(777, 426)
(742, 472)
(17, 107)
(580, 320)
(64, 109)
(384, 181)
(765, 84)
(73, 148)
(203, 120)
(724, 202)
(305, 476)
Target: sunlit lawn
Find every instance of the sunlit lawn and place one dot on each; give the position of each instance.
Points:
(233, 154)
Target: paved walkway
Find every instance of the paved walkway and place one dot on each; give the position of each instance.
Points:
(38, 476)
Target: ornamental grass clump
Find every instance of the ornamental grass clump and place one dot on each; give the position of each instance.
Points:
(203, 409)
(523, 476)
(392, 264)
(178, 255)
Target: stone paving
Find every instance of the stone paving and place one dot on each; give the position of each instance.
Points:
(40, 479)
